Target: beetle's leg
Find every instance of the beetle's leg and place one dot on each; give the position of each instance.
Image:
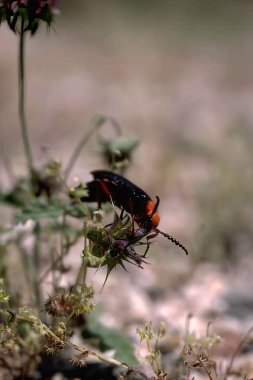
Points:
(148, 238)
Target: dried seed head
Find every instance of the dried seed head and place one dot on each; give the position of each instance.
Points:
(60, 304)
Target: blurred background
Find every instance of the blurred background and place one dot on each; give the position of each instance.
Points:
(176, 75)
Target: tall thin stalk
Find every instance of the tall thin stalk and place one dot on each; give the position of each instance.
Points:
(37, 265)
(81, 277)
(21, 100)
(76, 152)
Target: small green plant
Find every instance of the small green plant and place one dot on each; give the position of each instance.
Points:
(152, 339)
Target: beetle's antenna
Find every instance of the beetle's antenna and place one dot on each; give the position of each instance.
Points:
(155, 208)
(175, 241)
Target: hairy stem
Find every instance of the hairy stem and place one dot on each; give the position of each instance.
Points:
(36, 266)
(81, 277)
(21, 85)
(47, 331)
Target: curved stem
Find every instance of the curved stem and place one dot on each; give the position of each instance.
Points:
(101, 120)
(35, 321)
(21, 85)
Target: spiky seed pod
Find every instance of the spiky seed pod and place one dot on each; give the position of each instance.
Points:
(60, 304)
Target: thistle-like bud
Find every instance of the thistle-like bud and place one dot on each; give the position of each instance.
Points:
(118, 151)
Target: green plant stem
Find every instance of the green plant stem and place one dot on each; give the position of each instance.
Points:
(81, 274)
(36, 267)
(81, 277)
(63, 250)
(21, 85)
(81, 144)
(53, 268)
(25, 263)
(35, 321)
(82, 350)
(84, 263)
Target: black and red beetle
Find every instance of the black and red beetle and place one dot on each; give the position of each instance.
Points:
(108, 186)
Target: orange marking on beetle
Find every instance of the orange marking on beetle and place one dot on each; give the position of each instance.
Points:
(155, 217)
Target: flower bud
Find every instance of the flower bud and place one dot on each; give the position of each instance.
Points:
(29, 11)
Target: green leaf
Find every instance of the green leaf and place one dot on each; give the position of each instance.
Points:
(110, 338)
(122, 143)
(14, 21)
(2, 14)
(34, 26)
(4, 297)
(42, 208)
(46, 15)
(17, 197)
